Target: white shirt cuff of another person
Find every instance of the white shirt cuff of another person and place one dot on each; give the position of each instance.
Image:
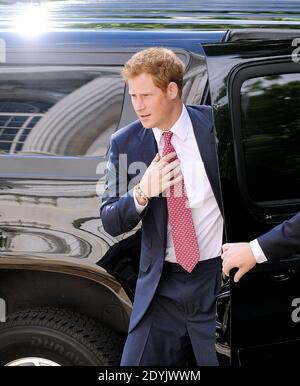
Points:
(258, 253)
(139, 208)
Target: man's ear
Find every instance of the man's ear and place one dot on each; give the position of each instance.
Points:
(172, 90)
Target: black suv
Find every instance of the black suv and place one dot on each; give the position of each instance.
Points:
(66, 286)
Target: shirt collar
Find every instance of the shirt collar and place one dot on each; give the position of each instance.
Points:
(179, 129)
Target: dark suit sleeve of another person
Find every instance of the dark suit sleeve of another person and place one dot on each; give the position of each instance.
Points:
(283, 240)
(118, 212)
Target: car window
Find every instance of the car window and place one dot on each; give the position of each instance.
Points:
(59, 110)
(270, 125)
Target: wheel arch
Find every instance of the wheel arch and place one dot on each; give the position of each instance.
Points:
(85, 290)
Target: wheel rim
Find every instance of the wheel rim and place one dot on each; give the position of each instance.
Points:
(32, 361)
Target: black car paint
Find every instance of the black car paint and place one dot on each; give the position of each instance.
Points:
(49, 207)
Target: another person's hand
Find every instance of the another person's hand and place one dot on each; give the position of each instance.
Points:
(237, 255)
(160, 175)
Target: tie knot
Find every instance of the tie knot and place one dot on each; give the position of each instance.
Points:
(167, 137)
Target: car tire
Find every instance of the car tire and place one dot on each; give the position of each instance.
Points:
(49, 336)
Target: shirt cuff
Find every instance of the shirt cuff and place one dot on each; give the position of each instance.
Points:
(258, 253)
(139, 208)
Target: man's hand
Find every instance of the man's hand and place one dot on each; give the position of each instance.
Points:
(160, 175)
(237, 255)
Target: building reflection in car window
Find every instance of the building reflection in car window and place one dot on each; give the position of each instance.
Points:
(59, 111)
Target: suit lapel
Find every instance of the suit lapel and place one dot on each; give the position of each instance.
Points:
(206, 141)
(148, 146)
(158, 205)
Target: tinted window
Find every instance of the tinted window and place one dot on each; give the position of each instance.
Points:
(59, 111)
(271, 136)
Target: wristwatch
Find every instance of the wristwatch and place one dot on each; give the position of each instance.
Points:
(141, 194)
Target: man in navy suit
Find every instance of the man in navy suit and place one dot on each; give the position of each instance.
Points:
(281, 241)
(177, 197)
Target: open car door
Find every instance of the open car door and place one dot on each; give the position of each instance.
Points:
(254, 80)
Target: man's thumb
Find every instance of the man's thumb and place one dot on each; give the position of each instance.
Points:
(238, 275)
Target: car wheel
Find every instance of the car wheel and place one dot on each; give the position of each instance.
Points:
(57, 337)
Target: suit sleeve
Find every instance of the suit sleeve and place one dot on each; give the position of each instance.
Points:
(283, 240)
(118, 211)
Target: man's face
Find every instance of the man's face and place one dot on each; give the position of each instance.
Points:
(152, 105)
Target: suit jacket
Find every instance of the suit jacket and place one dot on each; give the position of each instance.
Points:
(283, 240)
(118, 211)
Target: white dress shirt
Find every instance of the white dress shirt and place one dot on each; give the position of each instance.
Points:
(258, 253)
(207, 218)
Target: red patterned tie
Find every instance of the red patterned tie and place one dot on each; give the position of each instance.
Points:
(180, 218)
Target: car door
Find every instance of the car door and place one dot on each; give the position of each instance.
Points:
(254, 81)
